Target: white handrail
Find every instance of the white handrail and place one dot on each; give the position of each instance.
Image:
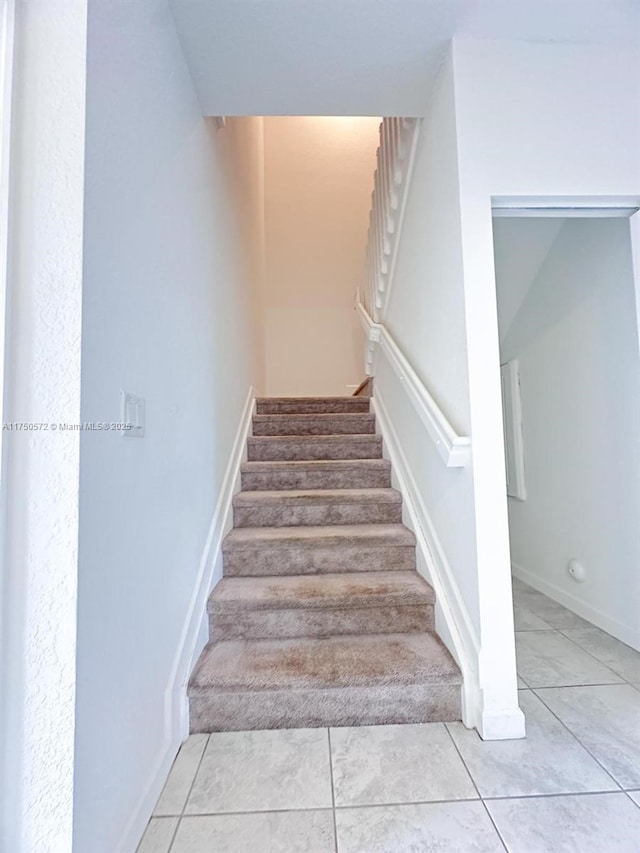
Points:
(454, 449)
(395, 156)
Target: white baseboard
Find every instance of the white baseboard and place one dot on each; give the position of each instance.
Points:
(502, 725)
(626, 633)
(193, 639)
(452, 620)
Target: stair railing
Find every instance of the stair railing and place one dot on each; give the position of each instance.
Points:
(454, 449)
(395, 156)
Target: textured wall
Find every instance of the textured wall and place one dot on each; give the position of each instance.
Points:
(40, 568)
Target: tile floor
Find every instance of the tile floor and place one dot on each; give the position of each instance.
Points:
(572, 786)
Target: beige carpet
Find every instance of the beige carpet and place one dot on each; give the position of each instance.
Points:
(321, 618)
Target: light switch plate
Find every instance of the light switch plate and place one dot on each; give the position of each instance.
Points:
(132, 413)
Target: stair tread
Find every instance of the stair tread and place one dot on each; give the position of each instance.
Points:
(333, 662)
(359, 535)
(314, 464)
(308, 399)
(345, 590)
(311, 405)
(278, 417)
(321, 423)
(333, 439)
(330, 447)
(306, 496)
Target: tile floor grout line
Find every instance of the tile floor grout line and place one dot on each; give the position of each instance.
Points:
(195, 775)
(495, 825)
(560, 687)
(518, 676)
(588, 627)
(394, 804)
(551, 627)
(189, 792)
(563, 686)
(464, 763)
(333, 793)
(599, 684)
(338, 808)
(635, 802)
(586, 651)
(551, 796)
(541, 631)
(154, 818)
(473, 782)
(594, 627)
(173, 835)
(258, 811)
(470, 800)
(573, 734)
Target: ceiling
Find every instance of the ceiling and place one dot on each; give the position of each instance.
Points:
(362, 57)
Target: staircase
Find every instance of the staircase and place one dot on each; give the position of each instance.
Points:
(321, 618)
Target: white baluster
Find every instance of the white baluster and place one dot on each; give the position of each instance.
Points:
(393, 159)
(390, 224)
(391, 156)
(397, 143)
(388, 163)
(379, 222)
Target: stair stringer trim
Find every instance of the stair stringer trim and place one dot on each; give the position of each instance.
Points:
(195, 634)
(453, 624)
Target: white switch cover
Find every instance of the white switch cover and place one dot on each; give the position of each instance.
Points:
(132, 409)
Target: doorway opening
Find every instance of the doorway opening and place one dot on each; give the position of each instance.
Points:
(570, 365)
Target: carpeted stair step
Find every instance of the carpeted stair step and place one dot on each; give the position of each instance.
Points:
(373, 679)
(324, 424)
(320, 618)
(319, 474)
(310, 405)
(290, 448)
(259, 551)
(320, 606)
(292, 508)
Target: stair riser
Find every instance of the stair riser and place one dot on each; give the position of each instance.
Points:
(278, 515)
(316, 449)
(331, 621)
(376, 478)
(316, 407)
(259, 562)
(349, 706)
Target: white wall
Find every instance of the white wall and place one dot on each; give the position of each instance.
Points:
(426, 317)
(520, 247)
(508, 119)
(40, 471)
(546, 119)
(532, 120)
(318, 184)
(244, 165)
(166, 315)
(575, 337)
